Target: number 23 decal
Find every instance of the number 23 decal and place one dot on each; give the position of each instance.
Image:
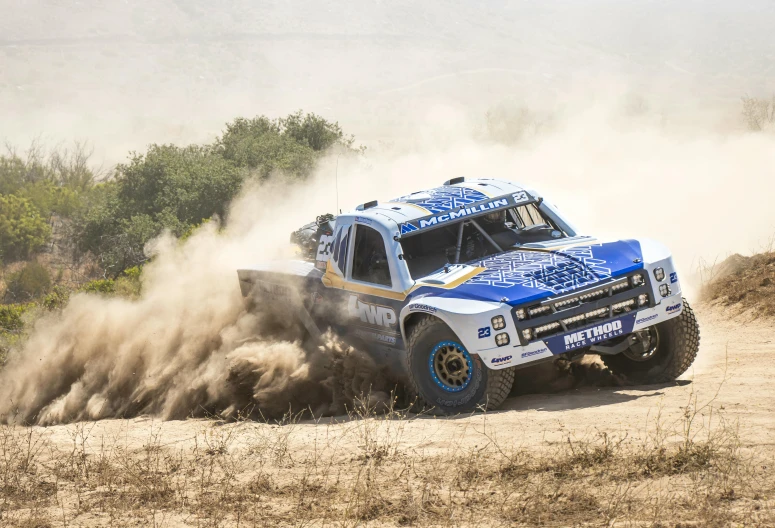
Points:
(520, 197)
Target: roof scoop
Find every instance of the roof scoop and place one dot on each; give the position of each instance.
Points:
(453, 181)
(367, 205)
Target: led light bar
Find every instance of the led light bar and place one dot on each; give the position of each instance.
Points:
(566, 302)
(591, 295)
(620, 286)
(539, 310)
(596, 313)
(623, 304)
(588, 315)
(548, 326)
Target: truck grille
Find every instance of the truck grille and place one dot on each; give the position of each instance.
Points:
(584, 307)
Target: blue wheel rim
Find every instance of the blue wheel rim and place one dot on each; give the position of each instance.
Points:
(451, 366)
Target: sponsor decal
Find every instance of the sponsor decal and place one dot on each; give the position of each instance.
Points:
(534, 352)
(484, 332)
(673, 277)
(501, 360)
(590, 336)
(520, 197)
(273, 290)
(363, 220)
(462, 213)
(647, 319)
(408, 228)
(674, 308)
(453, 210)
(374, 314)
(324, 248)
(422, 308)
(376, 336)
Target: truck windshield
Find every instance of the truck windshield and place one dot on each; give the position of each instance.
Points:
(482, 236)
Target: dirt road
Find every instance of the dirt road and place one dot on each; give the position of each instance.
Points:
(557, 459)
(733, 375)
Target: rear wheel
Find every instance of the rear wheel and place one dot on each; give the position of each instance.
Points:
(445, 378)
(668, 350)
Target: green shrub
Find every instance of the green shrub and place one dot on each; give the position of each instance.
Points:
(103, 286)
(167, 188)
(30, 282)
(23, 230)
(11, 316)
(57, 298)
(129, 284)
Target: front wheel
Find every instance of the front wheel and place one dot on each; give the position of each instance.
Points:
(671, 348)
(445, 378)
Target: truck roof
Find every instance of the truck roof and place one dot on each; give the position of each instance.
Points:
(404, 210)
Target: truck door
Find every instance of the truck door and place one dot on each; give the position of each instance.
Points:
(373, 304)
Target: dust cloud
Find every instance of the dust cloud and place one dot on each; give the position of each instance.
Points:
(187, 347)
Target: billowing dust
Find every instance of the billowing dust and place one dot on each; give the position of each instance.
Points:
(188, 346)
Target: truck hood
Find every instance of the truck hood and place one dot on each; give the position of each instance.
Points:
(522, 275)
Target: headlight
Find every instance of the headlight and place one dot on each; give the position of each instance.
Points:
(664, 290)
(498, 322)
(520, 313)
(637, 280)
(502, 339)
(527, 333)
(659, 274)
(643, 299)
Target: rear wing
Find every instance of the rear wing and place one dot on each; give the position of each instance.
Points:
(474, 210)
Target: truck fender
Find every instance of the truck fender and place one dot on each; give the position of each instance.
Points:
(459, 314)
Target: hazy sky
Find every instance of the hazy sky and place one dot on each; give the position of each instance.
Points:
(124, 74)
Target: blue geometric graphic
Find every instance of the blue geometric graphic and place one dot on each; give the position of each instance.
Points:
(556, 272)
(407, 228)
(443, 199)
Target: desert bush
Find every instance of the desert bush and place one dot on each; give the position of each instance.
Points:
(167, 187)
(57, 298)
(176, 188)
(103, 286)
(290, 144)
(30, 282)
(129, 283)
(23, 229)
(759, 114)
(11, 316)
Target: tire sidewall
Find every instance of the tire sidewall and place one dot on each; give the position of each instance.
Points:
(664, 365)
(419, 371)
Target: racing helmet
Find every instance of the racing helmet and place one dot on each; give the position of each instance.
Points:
(496, 217)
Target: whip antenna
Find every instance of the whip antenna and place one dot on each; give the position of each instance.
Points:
(336, 179)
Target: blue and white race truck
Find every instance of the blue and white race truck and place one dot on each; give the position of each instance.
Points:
(458, 286)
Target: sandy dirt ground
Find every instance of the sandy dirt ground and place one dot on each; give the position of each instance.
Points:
(732, 377)
(542, 460)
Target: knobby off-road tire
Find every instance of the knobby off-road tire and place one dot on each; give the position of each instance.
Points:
(482, 388)
(679, 341)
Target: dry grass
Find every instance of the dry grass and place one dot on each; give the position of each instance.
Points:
(364, 472)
